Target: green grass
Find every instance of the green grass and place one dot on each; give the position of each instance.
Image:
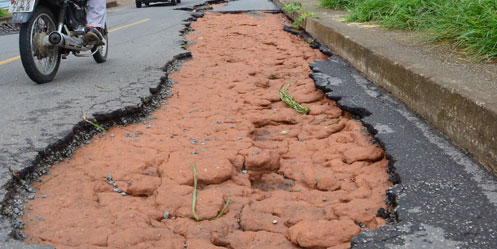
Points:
(470, 25)
(299, 22)
(288, 99)
(292, 7)
(194, 198)
(4, 13)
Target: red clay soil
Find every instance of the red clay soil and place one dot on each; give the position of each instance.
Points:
(293, 181)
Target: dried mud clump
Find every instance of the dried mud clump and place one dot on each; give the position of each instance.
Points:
(294, 181)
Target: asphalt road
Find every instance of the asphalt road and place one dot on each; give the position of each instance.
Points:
(34, 116)
(445, 199)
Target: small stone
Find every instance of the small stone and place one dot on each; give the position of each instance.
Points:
(194, 153)
(31, 197)
(324, 199)
(145, 122)
(218, 122)
(202, 143)
(285, 132)
(275, 221)
(148, 126)
(172, 136)
(166, 215)
(232, 127)
(111, 182)
(237, 165)
(244, 171)
(239, 137)
(41, 218)
(207, 139)
(109, 177)
(112, 135)
(30, 208)
(123, 194)
(194, 141)
(117, 190)
(173, 218)
(43, 196)
(256, 153)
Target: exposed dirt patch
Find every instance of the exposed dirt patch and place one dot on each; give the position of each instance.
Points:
(312, 181)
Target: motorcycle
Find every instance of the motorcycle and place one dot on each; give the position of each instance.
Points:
(51, 30)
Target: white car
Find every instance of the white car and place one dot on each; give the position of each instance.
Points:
(147, 2)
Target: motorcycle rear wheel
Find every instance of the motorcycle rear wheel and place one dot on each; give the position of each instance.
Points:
(100, 56)
(40, 62)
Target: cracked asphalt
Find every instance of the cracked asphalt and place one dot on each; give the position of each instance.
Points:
(34, 116)
(445, 199)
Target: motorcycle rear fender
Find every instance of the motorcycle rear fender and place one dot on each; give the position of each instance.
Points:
(23, 17)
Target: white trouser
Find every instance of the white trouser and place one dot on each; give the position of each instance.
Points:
(96, 15)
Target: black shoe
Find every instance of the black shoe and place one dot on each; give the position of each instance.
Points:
(95, 34)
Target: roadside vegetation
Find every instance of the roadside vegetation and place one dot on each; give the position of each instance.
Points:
(299, 21)
(4, 13)
(468, 24)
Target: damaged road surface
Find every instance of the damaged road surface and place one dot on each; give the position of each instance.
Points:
(225, 163)
(248, 150)
(39, 120)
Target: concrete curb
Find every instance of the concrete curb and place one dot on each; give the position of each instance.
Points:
(5, 19)
(466, 120)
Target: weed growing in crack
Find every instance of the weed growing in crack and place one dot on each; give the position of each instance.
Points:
(194, 199)
(299, 22)
(292, 7)
(48, 180)
(288, 99)
(93, 123)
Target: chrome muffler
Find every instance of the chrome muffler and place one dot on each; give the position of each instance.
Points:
(62, 40)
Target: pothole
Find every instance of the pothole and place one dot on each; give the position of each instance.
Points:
(288, 180)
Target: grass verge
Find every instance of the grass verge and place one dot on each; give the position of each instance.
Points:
(299, 22)
(470, 25)
(4, 13)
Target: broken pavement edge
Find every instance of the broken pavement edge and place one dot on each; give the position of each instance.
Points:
(468, 123)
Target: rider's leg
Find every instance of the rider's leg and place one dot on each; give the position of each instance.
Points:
(96, 17)
(97, 13)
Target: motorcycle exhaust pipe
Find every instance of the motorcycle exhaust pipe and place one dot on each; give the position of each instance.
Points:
(61, 40)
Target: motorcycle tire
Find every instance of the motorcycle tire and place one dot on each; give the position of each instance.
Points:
(33, 53)
(138, 4)
(100, 56)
